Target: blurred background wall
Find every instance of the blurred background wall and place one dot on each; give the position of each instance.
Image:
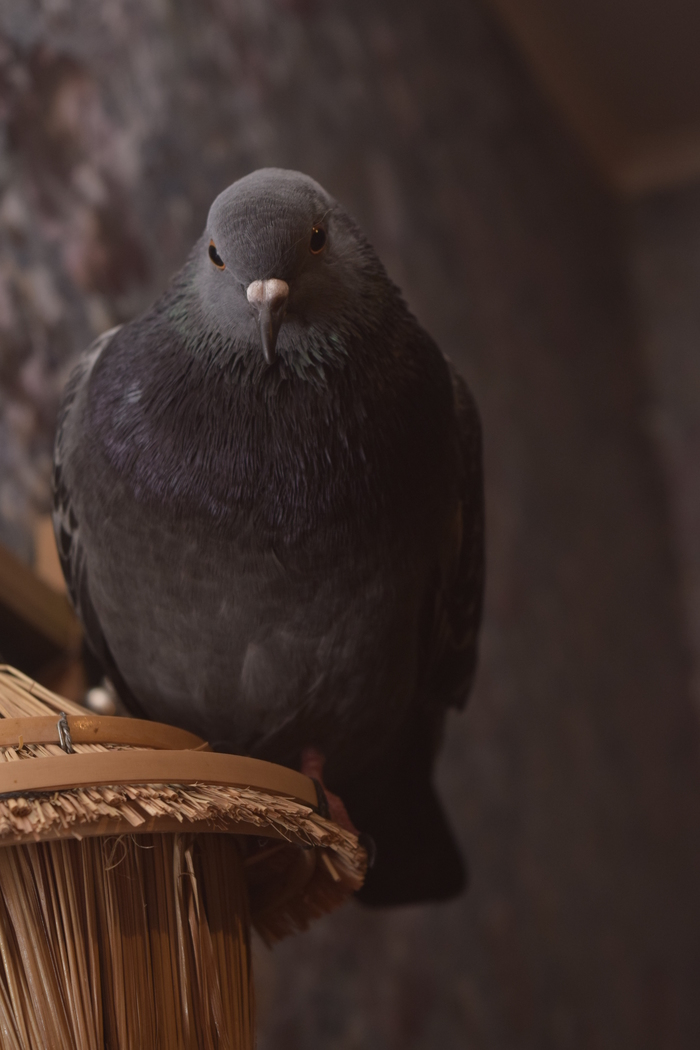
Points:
(485, 162)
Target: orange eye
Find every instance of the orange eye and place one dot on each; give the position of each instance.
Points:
(215, 257)
(318, 240)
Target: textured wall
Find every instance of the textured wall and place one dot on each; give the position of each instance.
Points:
(573, 778)
(665, 272)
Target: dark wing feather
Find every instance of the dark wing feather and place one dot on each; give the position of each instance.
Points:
(65, 523)
(67, 528)
(395, 801)
(458, 598)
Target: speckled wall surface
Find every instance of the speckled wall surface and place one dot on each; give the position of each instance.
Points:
(573, 778)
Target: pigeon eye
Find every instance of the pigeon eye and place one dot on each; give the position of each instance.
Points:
(318, 240)
(215, 257)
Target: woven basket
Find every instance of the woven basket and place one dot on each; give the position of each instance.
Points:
(139, 860)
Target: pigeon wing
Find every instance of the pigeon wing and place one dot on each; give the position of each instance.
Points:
(457, 599)
(71, 552)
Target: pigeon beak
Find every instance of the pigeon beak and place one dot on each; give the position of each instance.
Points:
(270, 301)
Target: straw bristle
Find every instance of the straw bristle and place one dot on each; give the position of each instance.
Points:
(154, 927)
(125, 941)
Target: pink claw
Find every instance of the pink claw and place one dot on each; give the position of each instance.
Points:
(312, 763)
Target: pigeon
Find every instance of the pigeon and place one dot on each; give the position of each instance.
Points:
(268, 506)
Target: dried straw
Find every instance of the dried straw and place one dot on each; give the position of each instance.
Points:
(128, 943)
(141, 939)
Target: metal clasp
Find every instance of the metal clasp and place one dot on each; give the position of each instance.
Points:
(64, 739)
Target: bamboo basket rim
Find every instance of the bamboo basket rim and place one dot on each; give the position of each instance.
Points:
(112, 784)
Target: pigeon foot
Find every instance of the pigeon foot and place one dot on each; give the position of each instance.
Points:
(312, 763)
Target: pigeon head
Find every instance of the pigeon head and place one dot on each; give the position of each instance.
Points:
(282, 266)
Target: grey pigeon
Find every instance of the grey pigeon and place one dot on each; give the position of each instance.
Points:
(269, 511)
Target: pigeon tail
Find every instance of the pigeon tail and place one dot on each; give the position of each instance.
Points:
(417, 859)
